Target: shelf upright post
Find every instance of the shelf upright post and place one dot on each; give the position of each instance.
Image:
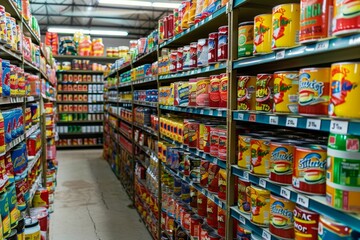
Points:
(132, 138)
(159, 160)
(233, 17)
(43, 139)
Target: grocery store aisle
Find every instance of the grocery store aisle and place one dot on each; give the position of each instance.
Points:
(90, 202)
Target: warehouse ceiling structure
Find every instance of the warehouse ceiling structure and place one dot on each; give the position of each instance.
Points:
(137, 18)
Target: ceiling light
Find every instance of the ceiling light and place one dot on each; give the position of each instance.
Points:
(87, 31)
(141, 3)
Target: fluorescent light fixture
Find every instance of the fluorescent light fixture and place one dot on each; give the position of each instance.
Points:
(87, 31)
(155, 4)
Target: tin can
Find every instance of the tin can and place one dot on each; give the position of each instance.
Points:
(213, 184)
(202, 205)
(204, 173)
(202, 52)
(305, 224)
(222, 143)
(161, 30)
(170, 27)
(214, 91)
(3, 29)
(309, 169)
(213, 48)
(315, 20)
(314, 90)
(223, 43)
(286, 86)
(207, 140)
(173, 61)
(242, 233)
(202, 91)
(212, 214)
(244, 151)
(244, 200)
(343, 172)
(214, 141)
(246, 97)
(192, 92)
(286, 25)
(204, 232)
(222, 184)
(221, 222)
(223, 90)
(14, 34)
(260, 206)
(202, 130)
(9, 36)
(260, 156)
(282, 161)
(346, 17)
(262, 34)
(331, 229)
(186, 57)
(264, 96)
(245, 39)
(179, 59)
(281, 217)
(196, 222)
(193, 55)
(345, 90)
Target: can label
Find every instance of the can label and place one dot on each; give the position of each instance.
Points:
(305, 224)
(213, 184)
(202, 205)
(193, 55)
(285, 22)
(281, 162)
(282, 217)
(260, 156)
(214, 91)
(221, 222)
(314, 91)
(202, 92)
(262, 34)
(222, 144)
(204, 173)
(223, 43)
(173, 61)
(212, 214)
(260, 206)
(346, 17)
(315, 19)
(214, 142)
(202, 52)
(207, 139)
(244, 148)
(246, 97)
(286, 85)
(244, 200)
(222, 184)
(345, 92)
(245, 40)
(264, 87)
(213, 46)
(179, 60)
(329, 229)
(223, 91)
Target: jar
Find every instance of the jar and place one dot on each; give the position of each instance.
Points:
(32, 229)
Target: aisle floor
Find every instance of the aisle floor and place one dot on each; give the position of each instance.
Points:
(90, 203)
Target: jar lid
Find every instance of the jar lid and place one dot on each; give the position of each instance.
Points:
(31, 222)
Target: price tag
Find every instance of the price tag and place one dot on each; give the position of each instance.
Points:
(211, 112)
(340, 127)
(252, 118)
(240, 116)
(215, 161)
(219, 113)
(274, 120)
(246, 175)
(202, 111)
(207, 69)
(199, 70)
(262, 183)
(322, 45)
(354, 40)
(266, 235)
(211, 197)
(285, 193)
(280, 55)
(302, 200)
(291, 122)
(210, 17)
(242, 220)
(314, 124)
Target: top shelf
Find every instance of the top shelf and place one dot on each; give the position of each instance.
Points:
(93, 58)
(11, 8)
(146, 58)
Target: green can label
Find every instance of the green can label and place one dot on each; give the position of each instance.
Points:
(245, 40)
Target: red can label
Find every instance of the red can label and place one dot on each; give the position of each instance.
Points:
(179, 59)
(223, 43)
(204, 173)
(173, 61)
(306, 224)
(202, 205)
(213, 46)
(222, 144)
(264, 97)
(214, 91)
(193, 55)
(214, 142)
(212, 214)
(213, 184)
(223, 91)
(221, 222)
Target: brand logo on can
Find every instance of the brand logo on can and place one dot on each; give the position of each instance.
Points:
(310, 91)
(281, 216)
(314, 167)
(340, 85)
(283, 160)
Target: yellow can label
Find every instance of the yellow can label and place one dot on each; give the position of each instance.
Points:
(33, 236)
(244, 154)
(260, 206)
(262, 34)
(286, 86)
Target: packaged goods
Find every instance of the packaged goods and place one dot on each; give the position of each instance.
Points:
(245, 39)
(246, 97)
(244, 200)
(260, 206)
(223, 43)
(346, 17)
(262, 34)
(286, 86)
(305, 223)
(213, 48)
(264, 92)
(281, 217)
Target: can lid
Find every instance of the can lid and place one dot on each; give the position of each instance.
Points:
(13, 235)
(31, 222)
(246, 23)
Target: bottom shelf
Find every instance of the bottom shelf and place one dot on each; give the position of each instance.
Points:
(80, 146)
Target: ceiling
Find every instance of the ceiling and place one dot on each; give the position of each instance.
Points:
(137, 21)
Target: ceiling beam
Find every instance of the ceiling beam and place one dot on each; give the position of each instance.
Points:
(98, 26)
(150, 9)
(90, 16)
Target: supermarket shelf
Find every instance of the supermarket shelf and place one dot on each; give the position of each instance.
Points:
(80, 82)
(14, 143)
(243, 3)
(33, 159)
(34, 187)
(81, 112)
(80, 146)
(93, 58)
(214, 112)
(124, 120)
(123, 68)
(72, 102)
(145, 58)
(342, 126)
(80, 71)
(204, 191)
(75, 122)
(125, 84)
(75, 92)
(148, 151)
(146, 104)
(146, 129)
(11, 100)
(146, 80)
(322, 52)
(199, 30)
(80, 134)
(44, 75)
(30, 33)
(29, 67)
(11, 8)
(112, 88)
(197, 71)
(32, 129)
(6, 53)
(245, 220)
(207, 156)
(119, 101)
(126, 135)
(32, 99)
(315, 203)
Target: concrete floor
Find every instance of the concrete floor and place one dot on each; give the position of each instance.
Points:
(90, 203)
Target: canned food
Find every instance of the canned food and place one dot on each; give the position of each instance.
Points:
(242, 233)
(173, 61)
(345, 90)
(207, 139)
(212, 214)
(282, 161)
(213, 184)
(186, 57)
(346, 17)
(264, 96)
(314, 91)
(262, 34)
(282, 217)
(222, 184)
(221, 222)
(286, 86)
(315, 19)
(193, 55)
(245, 39)
(286, 25)
(179, 59)
(223, 90)
(331, 229)
(306, 224)
(260, 156)
(202, 205)
(222, 148)
(192, 92)
(223, 43)
(214, 91)
(196, 222)
(202, 52)
(246, 97)
(244, 200)
(244, 151)
(260, 206)
(309, 169)
(214, 142)
(213, 47)
(202, 91)
(204, 173)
